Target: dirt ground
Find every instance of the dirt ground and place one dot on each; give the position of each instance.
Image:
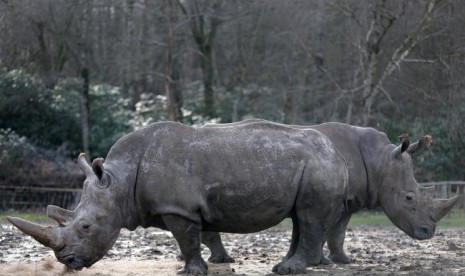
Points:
(374, 250)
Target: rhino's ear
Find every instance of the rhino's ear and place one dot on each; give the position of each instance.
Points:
(422, 143)
(97, 167)
(397, 152)
(84, 165)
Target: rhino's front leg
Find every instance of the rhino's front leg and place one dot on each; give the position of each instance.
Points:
(187, 234)
(336, 236)
(218, 253)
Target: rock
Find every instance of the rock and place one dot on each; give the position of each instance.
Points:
(453, 247)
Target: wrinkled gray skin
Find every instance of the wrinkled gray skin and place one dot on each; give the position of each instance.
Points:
(240, 179)
(380, 175)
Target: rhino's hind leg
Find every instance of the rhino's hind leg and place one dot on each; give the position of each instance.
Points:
(336, 236)
(218, 253)
(294, 239)
(187, 234)
(307, 251)
(315, 211)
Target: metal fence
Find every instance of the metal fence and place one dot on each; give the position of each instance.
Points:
(22, 198)
(447, 189)
(26, 197)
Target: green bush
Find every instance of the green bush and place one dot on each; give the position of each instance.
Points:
(50, 118)
(110, 118)
(23, 164)
(109, 114)
(13, 149)
(33, 111)
(445, 159)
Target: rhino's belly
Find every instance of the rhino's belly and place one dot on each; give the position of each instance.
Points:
(246, 221)
(246, 214)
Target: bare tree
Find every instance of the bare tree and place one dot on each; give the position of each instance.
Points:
(204, 22)
(171, 71)
(380, 26)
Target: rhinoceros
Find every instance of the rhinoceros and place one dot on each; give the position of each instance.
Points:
(380, 175)
(187, 180)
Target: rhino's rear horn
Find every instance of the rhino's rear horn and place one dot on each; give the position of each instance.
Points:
(62, 216)
(46, 235)
(442, 207)
(428, 192)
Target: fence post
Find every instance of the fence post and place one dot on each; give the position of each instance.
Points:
(442, 193)
(461, 202)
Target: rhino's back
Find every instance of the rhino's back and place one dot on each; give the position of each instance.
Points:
(235, 172)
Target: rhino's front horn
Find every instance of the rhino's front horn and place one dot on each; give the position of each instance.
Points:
(46, 235)
(62, 216)
(442, 207)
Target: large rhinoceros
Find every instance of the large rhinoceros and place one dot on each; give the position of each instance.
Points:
(186, 180)
(380, 175)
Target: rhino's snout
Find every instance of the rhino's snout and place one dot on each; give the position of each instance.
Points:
(423, 233)
(72, 262)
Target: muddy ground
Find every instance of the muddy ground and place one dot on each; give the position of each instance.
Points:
(374, 250)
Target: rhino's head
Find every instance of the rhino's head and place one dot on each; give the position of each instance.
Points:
(409, 206)
(84, 235)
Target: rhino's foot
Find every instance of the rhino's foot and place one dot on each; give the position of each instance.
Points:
(340, 258)
(197, 270)
(325, 261)
(194, 269)
(290, 267)
(221, 259)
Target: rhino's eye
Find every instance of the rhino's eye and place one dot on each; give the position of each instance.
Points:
(86, 226)
(409, 197)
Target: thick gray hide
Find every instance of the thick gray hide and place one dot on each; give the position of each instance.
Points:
(380, 175)
(238, 179)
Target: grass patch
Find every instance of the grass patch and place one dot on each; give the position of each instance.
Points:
(456, 218)
(369, 218)
(39, 216)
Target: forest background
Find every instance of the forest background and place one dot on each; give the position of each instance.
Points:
(75, 75)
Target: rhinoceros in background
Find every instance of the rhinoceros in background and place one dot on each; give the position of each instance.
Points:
(380, 175)
(186, 180)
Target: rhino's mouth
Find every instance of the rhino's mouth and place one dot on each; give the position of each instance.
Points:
(423, 232)
(72, 262)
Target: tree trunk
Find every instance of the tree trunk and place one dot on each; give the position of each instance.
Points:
(208, 76)
(85, 110)
(289, 108)
(204, 37)
(173, 107)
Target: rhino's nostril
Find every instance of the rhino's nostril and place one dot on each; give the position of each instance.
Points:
(69, 260)
(423, 233)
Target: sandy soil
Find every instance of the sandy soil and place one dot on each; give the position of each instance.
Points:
(374, 250)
